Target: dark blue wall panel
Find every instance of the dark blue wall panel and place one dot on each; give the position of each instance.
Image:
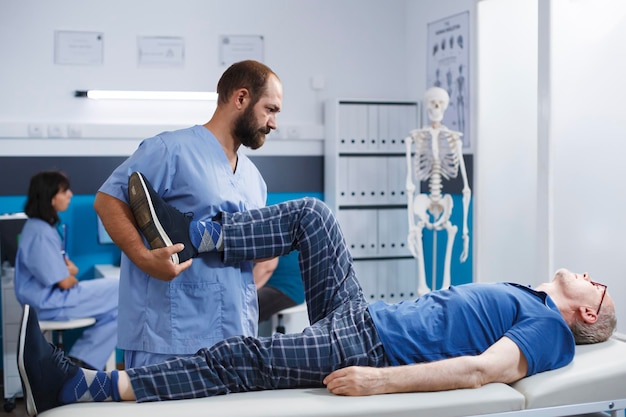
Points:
(87, 173)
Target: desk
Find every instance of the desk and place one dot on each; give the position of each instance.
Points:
(106, 271)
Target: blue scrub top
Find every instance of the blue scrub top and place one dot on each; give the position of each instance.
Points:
(467, 319)
(210, 301)
(39, 265)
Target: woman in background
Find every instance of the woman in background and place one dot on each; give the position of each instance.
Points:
(45, 277)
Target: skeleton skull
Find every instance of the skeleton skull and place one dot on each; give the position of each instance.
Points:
(437, 100)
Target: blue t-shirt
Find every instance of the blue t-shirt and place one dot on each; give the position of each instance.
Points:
(467, 319)
(209, 301)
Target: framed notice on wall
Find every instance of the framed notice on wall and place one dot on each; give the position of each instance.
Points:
(240, 47)
(448, 68)
(160, 51)
(78, 48)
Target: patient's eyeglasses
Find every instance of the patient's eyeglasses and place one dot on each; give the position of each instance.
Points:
(597, 284)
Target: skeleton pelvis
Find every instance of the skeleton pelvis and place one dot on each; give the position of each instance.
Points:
(434, 214)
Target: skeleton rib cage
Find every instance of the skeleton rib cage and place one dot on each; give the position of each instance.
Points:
(432, 161)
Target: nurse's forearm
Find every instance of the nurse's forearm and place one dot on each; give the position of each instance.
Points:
(120, 224)
(67, 283)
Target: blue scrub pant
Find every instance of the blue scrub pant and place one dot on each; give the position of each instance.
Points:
(98, 298)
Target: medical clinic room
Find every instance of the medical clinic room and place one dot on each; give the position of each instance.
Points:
(312, 208)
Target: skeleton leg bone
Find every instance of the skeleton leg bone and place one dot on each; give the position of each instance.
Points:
(415, 241)
(443, 223)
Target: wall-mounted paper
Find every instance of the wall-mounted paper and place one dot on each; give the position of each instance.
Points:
(78, 48)
(239, 48)
(161, 51)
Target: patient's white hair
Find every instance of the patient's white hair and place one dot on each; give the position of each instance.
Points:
(600, 331)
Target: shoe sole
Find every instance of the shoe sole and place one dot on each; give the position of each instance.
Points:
(147, 220)
(31, 408)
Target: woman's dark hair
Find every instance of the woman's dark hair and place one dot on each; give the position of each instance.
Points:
(43, 186)
(251, 75)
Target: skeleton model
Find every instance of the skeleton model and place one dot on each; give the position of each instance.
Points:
(438, 154)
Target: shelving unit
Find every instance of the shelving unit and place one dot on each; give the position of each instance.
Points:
(11, 315)
(364, 184)
(10, 227)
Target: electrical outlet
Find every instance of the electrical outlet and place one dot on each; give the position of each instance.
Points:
(293, 132)
(56, 131)
(36, 130)
(74, 131)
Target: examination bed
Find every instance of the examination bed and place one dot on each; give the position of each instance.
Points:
(593, 383)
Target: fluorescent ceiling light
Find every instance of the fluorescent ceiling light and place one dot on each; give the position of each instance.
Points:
(146, 95)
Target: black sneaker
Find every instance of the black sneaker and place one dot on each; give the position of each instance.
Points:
(161, 224)
(43, 368)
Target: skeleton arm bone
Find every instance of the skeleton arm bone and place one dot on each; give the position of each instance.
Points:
(410, 187)
(467, 195)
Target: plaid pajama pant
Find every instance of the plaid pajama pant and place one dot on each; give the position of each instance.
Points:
(342, 332)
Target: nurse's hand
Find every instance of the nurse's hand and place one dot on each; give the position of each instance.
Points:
(158, 263)
(67, 283)
(71, 267)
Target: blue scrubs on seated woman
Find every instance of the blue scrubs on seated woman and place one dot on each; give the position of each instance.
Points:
(41, 268)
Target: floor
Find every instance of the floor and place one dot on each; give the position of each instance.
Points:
(18, 411)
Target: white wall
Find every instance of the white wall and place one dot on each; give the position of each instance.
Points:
(549, 178)
(358, 47)
(587, 138)
(506, 150)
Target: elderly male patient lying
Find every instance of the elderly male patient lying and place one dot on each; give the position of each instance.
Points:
(462, 337)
